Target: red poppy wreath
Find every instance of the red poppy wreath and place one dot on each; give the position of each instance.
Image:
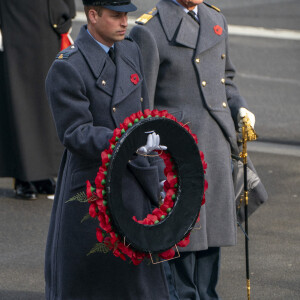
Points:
(121, 233)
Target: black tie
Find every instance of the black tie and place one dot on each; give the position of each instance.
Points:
(111, 54)
(192, 14)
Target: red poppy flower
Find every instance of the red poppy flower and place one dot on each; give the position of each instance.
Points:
(155, 112)
(125, 124)
(167, 254)
(100, 179)
(218, 29)
(139, 114)
(105, 156)
(158, 213)
(92, 210)
(99, 235)
(88, 189)
(184, 242)
(172, 179)
(163, 113)
(147, 112)
(134, 78)
(113, 238)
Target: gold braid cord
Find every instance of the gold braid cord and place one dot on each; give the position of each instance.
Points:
(250, 133)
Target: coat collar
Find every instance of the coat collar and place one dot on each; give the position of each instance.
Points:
(179, 27)
(92, 52)
(115, 80)
(208, 38)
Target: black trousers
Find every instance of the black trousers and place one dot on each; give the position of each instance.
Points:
(194, 275)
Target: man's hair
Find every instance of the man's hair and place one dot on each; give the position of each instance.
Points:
(97, 8)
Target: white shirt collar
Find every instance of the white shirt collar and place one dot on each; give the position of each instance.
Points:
(185, 9)
(104, 47)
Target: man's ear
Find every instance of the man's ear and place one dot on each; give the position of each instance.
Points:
(93, 16)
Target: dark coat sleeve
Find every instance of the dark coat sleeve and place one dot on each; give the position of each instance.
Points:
(61, 13)
(70, 107)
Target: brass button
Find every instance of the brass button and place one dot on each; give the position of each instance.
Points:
(197, 60)
(224, 104)
(61, 56)
(103, 82)
(142, 99)
(223, 80)
(203, 83)
(55, 25)
(223, 56)
(114, 109)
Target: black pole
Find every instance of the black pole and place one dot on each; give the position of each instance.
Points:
(246, 230)
(244, 155)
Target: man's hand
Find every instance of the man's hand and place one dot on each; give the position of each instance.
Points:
(153, 141)
(241, 114)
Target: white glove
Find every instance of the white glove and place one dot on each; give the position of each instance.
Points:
(241, 114)
(153, 141)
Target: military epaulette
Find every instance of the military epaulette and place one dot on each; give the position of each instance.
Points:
(143, 19)
(212, 6)
(66, 53)
(128, 38)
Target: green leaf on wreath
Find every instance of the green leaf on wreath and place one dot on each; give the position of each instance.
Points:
(80, 197)
(86, 217)
(99, 248)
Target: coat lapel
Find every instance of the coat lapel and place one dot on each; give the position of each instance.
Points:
(98, 61)
(92, 52)
(128, 78)
(178, 26)
(212, 29)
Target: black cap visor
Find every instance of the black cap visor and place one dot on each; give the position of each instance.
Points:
(121, 8)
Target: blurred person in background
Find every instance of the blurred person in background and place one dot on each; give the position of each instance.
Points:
(31, 34)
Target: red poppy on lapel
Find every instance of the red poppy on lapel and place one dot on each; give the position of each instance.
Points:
(134, 78)
(218, 30)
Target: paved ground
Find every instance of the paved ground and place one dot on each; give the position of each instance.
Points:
(274, 246)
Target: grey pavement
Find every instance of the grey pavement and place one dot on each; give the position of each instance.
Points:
(274, 232)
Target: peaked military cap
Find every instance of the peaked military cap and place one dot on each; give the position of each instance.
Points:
(116, 5)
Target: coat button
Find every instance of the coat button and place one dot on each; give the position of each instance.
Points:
(197, 60)
(72, 47)
(103, 82)
(223, 80)
(114, 109)
(54, 25)
(223, 56)
(224, 104)
(203, 83)
(142, 99)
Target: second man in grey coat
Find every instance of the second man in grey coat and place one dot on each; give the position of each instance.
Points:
(189, 73)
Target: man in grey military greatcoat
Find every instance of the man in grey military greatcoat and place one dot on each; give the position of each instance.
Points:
(90, 91)
(189, 73)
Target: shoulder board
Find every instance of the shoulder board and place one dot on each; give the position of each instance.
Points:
(212, 6)
(143, 19)
(128, 38)
(66, 53)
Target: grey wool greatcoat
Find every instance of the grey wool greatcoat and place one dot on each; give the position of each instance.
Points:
(189, 73)
(29, 146)
(89, 97)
